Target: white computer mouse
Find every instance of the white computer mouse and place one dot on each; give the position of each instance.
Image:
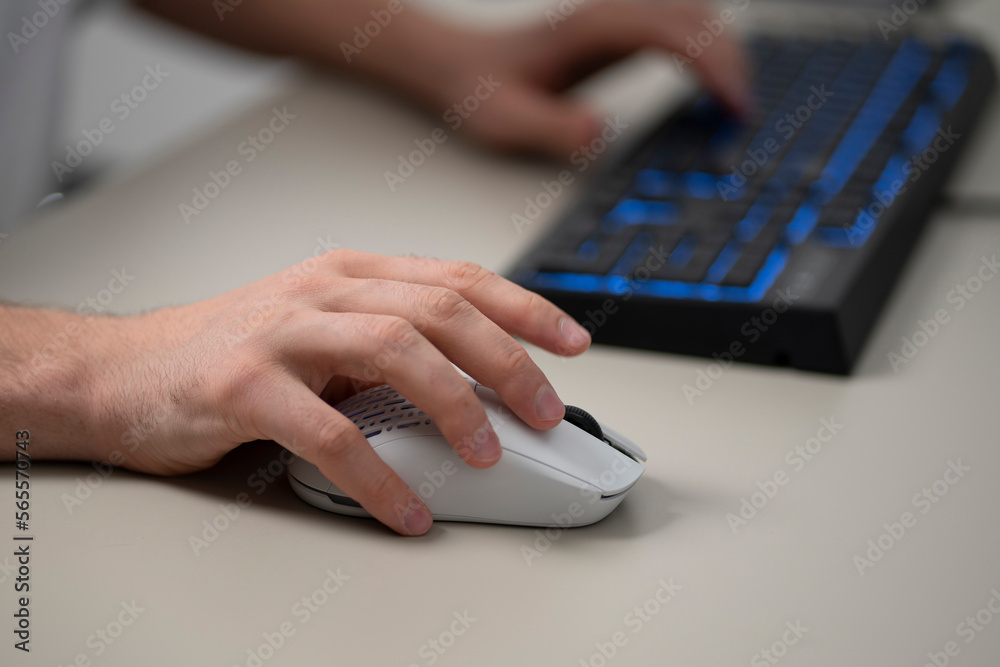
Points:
(572, 475)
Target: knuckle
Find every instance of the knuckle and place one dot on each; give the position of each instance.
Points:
(301, 283)
(463, 409)
(333, 438)
(440, 303)
(518, 360)
(342, 259)
(257, 329)
(289, 318)
(334, 256)
(462, 276)
(382, 486)
(535, 304)
(393, 332)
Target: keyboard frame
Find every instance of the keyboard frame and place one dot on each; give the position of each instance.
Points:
(826, 327)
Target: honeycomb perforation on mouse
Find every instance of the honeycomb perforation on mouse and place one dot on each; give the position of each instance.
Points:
(382, 409)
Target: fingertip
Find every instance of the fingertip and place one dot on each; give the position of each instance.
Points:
(573, 338)
(488, 449)
(723, 65)
(549, 409)
(415, 518)
(482, 464)
(482, 449)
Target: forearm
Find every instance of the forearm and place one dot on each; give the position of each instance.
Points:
(46, 383)
(409, 52)
(92, 388)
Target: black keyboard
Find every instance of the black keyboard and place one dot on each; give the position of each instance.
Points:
(777, 237)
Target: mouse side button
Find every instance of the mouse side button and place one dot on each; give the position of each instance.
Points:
(307, 474)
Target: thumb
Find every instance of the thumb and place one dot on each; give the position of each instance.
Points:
(532, 119)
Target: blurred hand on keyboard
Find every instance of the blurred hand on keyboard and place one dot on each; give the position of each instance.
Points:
(533, 65)
(522, 71)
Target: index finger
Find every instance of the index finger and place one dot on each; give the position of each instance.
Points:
(515, 309)
(303, 423)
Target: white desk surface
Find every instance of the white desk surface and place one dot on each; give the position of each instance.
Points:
(792, 563)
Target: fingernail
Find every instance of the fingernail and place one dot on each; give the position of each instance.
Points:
(486, 445)
(573, 334)
(417, 519)
(547, 404)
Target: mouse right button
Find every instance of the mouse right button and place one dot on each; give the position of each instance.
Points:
(619, 441)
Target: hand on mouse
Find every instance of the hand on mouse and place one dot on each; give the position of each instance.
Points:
(440, 64)
(174, 390)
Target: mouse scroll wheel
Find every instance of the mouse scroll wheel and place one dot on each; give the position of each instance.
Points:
(582, 419)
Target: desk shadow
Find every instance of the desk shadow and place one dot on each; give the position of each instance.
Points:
(256, 469)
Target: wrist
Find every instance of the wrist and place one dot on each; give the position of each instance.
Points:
(135, 380)
(117, 396)
(416, 54)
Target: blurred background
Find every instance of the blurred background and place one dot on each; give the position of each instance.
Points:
(111, 45)
(112, 42)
